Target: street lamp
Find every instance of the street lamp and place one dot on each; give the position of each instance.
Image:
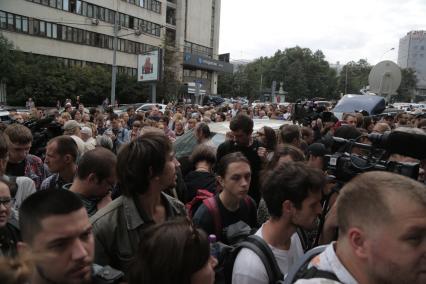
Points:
(114, 59)
(389, 50)
(346, 78)
(137, 32)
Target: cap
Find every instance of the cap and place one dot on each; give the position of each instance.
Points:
(317, 149)
(71, 125)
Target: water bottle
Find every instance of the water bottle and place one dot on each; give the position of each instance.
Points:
(214, 246)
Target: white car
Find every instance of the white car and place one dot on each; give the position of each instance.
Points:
(147, 107)
(5, 116)
(185, 144)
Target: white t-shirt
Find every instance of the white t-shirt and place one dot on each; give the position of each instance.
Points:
(328, 261)
(26, 187)
(249, 269)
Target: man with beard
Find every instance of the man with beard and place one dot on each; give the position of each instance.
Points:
(145, 168)
(57, 234)
(382, 233)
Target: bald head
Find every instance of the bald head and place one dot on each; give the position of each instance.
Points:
(366, 201)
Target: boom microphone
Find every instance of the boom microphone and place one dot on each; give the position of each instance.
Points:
(398, 142)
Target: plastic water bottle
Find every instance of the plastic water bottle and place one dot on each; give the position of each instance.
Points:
(214, 246)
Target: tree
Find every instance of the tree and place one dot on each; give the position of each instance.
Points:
(305, 75)
(47, 80)
(354, 77)
(168, 86)
(7, 59)
(226, 84)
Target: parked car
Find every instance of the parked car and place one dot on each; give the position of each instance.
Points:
(5, 116)
(184, 145)
(147, 107)
(215, 100)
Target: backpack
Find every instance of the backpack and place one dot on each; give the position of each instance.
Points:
(300, 269)
(257, 245)
(213, 209)
(192, 206)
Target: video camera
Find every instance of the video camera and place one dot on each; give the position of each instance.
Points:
(43, 130)
(344, 165)
(306, 112)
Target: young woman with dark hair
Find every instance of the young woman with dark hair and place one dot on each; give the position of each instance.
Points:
(173, 252)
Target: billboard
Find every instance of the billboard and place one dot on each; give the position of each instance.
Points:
(149, 66)
(206, 63)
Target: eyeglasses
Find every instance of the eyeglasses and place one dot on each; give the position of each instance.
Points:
(7, 201)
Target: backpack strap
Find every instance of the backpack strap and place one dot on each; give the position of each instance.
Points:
(303, 239)
(211, 205)
(264, 252)
(313, 272)
(249, 203)
(300, 269)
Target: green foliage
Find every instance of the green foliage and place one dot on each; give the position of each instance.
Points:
(354, 77)
(6, 58)
(168, 86)
(46, 80)
(305, 74)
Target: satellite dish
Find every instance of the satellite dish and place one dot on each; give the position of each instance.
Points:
(385, 78)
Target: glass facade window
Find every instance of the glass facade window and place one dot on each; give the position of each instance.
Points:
(94, 11)
(25, 24)
(54, 31)
(18, 25)
(89, 10)
(101, 13)
(10, 21)
(198, 49)
(84, 8)
(48, 29)
(40, 28)
(78, 7)
(36, 27)
(3, 23)
(65, 5)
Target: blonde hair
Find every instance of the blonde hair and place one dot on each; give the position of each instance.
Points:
(66, 115)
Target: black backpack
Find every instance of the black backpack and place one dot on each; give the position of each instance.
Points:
(260, 247)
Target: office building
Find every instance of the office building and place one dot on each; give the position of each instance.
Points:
(82, 33)
(412, 54)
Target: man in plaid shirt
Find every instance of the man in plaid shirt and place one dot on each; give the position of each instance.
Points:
(21, 163)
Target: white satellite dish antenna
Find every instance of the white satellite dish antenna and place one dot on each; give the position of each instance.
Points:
(385, 78)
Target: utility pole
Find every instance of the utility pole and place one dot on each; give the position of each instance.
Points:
(114, 58)
(346, 79)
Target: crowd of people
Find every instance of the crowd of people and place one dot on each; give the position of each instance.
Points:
(109, 202)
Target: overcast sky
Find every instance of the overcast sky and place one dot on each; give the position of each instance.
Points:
(344, 30)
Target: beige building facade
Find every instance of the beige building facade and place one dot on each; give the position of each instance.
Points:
(82, 33)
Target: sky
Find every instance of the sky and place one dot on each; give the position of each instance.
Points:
(344, 30)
